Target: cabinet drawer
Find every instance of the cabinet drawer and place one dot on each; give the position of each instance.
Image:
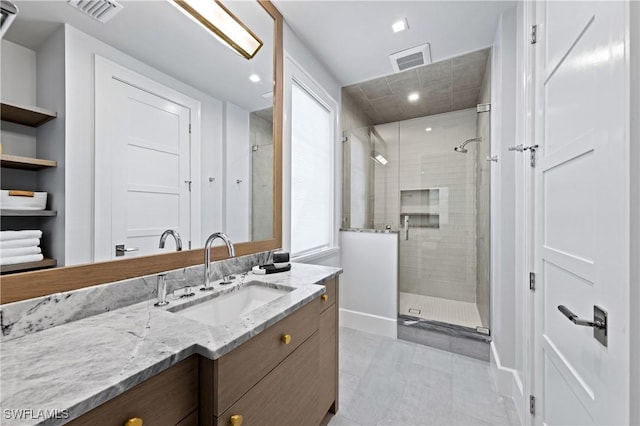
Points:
(286, 396)
(164, 399)
(330, 298)
(236, 372)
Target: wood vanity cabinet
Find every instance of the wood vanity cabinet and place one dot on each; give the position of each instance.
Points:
(168, 398)
(286, 375)
(328, 329)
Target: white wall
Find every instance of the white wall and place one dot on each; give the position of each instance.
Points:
(51, 141)
(304, 58)
(635, 212)
(237, 152)
(80, 50)
(505, 317)
(369, 283)
(18, 70)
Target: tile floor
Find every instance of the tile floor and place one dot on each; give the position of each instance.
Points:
(392, 382)
(438, 309)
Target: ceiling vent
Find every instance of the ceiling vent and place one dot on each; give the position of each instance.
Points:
(411, 58)
(101, 10)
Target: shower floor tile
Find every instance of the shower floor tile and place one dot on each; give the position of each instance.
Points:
(438, 309)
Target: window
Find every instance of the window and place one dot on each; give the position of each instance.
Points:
(312, 172)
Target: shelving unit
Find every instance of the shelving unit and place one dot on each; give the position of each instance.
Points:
(28, 213)
(25, 163)
(26, 115)
(30, 116)
(29, 266)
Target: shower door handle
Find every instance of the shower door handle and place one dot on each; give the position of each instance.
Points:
(406, 227)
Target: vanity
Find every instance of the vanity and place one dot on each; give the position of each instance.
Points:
(142, 364)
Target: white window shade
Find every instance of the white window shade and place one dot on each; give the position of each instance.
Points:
(312, 173)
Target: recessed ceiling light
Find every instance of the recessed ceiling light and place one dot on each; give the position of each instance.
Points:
(413, 96)
(400, 25)
(254, 77)
(428, 129)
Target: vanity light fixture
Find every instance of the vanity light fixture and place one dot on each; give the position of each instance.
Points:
(223, 24)
(400, 25)
(428, 129)
(254, 78)
(413, 96)
(379, 158)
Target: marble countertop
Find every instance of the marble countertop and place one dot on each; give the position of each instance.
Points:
(72, 368)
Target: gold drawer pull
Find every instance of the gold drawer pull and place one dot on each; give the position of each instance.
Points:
(324, 297)
(135, 421)
(236, 420)
(286, 339)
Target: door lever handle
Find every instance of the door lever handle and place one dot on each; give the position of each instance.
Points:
(121, 249)
(579, 321)
(599, 323)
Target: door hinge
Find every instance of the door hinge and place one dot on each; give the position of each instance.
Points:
(189, 245)
(189, 128)
(188, 182)
(532, 405)
(534, 34)
(532, 281)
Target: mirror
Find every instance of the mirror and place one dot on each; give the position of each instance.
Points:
(158, 126)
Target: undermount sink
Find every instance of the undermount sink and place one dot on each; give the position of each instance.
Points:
(227, 307)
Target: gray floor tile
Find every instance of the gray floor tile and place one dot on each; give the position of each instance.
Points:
(348, 384)
(389, 382)
(433, 358)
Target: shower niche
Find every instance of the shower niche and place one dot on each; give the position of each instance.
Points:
(423, 208)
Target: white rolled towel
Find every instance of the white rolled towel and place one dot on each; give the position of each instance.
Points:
(29, 242)
(20, 235)
(22, 251)
(21, 259)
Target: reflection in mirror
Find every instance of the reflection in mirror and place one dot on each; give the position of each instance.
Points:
(158, 125)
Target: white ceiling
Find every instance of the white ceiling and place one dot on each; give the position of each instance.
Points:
(354, 38)
(157, 33)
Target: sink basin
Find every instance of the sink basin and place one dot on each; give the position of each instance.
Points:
(233, 305)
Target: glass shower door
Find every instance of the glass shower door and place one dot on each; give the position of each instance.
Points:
(437, 213)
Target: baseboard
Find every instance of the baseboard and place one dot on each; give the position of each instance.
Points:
(508, 382)
(368, 323)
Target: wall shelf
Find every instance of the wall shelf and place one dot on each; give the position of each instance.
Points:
(29, 266)
(28, 213)
(26, 115)
(25, 163)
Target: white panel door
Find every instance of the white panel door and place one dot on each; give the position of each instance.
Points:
(150, 169)
(582, 212)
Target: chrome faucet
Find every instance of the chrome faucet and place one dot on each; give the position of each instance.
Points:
(207, 256)
(175, 236)
(162, 291)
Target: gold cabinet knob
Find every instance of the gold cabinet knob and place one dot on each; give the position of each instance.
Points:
(286, 339)
(135, 421)
(235, 420)
(324, 297)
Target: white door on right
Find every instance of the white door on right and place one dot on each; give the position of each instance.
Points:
(582, 212)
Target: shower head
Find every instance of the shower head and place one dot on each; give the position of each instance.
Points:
(461, 149)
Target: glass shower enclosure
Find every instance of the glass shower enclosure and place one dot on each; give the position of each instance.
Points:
(429, 179)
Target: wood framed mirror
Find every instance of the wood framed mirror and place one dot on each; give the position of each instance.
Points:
(27, 285)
